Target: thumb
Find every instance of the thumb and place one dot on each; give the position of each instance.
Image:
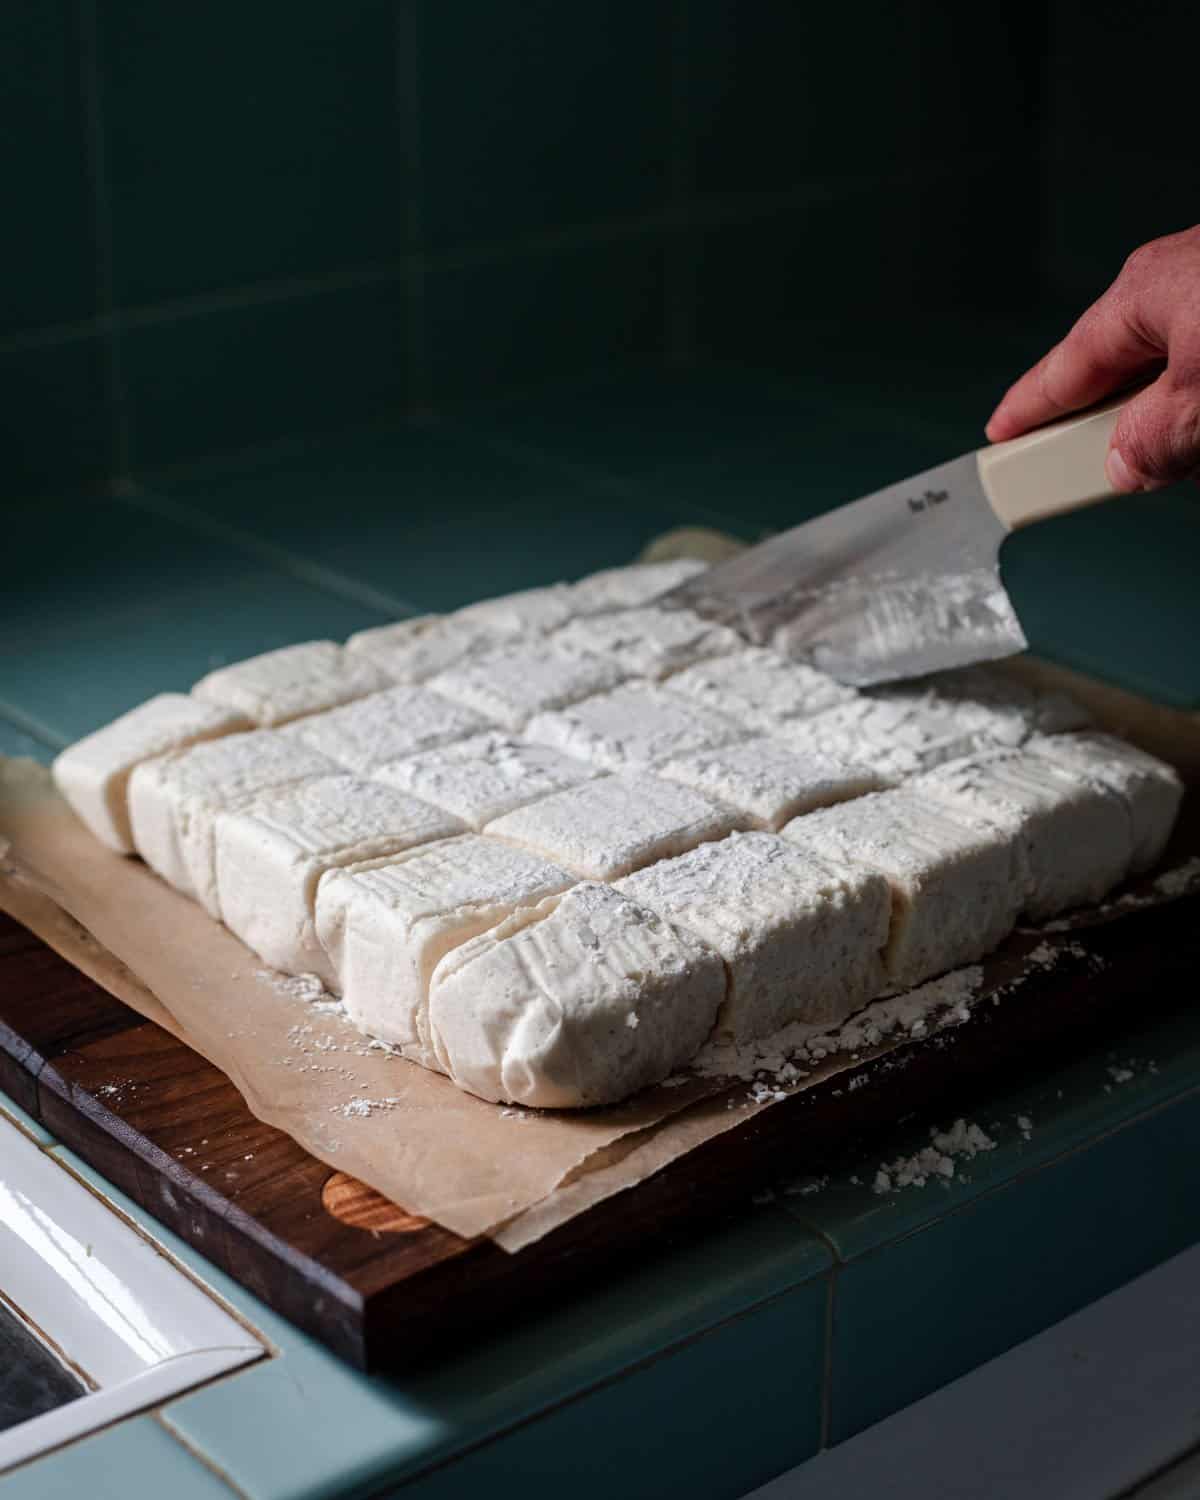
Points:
(1157, 437)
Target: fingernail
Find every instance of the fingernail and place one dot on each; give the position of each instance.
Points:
(1120, 475)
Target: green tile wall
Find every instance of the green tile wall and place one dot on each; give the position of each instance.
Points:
(239, 224)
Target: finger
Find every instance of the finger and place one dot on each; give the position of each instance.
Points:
(1104, 351)
(1157, 437)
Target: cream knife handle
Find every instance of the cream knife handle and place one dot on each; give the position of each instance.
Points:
(1052, 470)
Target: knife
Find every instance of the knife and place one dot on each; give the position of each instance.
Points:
(907, 581)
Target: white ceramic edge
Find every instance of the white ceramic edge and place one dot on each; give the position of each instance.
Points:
(108, 1296)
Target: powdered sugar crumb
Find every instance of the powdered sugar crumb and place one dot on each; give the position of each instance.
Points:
(936, 1161)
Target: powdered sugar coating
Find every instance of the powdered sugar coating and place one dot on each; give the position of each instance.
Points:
(647, 642)
(632, 726)
(530, 612)
(770, 782)
(632, 587)
(579, 1003)
(760, 688)
(411, 651)
(511, 684)
(401, 721)
(93, 773)
(282, 685)
(484, 777)
(803, 940)
(615, 824)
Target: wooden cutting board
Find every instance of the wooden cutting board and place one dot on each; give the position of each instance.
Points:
(386, 1289)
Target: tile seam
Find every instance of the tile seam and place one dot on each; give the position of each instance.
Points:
(29, 724)
(633, 1368)
(198, 1455)
(1025, 1175)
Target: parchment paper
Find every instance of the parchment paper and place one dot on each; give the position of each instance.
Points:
(300, 1066)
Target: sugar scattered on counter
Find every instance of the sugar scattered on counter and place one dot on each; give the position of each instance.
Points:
(935, 1161)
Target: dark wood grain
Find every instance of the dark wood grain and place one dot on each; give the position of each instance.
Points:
(387, 1289)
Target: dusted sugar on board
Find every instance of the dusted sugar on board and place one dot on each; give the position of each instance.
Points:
(760, 688)
(174, 801)
(1150, 789)
(1072, 836)
(770, 783)
(616, 824)
(955, 887)
(387, 726)
(582, 1001)
(271, 853)
(512, 683)
(647, 642)
(802, 940)
(633, 726)
(385, 925)
(482, 778)
(93, 773)
(287, 684)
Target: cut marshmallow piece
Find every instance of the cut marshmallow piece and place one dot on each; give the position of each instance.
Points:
(174, 801)
(803, 940)
(632, 587)
(895, 736)
(486, 776)
(93, 773)
(632, 726)
(647, 642)
(581, 1002)
(1016, 709)
(770, 782)
(760, 688)
(412, 651)
(1150, 789)
(955, 891)
(616, 824)
(385, 925)
(271, 853)
(286, 684)
(531, 612)
(1072, 835)
(511, 684)
(401, 721)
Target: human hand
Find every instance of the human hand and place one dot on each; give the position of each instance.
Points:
(1148, 321)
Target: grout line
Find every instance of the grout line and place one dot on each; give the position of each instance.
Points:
(713, 210)
(198, 1454)
(28, 724)
(680, 253)
(635, 1367)
(326, 579)
(826, 1427)
(409, 113)
(102, 225)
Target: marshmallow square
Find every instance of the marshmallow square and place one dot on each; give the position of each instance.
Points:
(93, 773)
(647, 642)
(511, 684)
(635, 725)
(631, 587)
(401, 721)
(760, 688)
(278, 686)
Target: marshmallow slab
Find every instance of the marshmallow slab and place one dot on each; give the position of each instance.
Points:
(1150, 789)
(616, 824)
(632, 726)
(385, 925)
(271, 853)
(484, 777)
(770, 783)
(760, 688)
(511, 684)
(802, 940)
(93, 773)
(282, 685)
(579, 1003)
(174, 801)
(955, 891)
(647, 642)
(1072, 835)
(401, 721)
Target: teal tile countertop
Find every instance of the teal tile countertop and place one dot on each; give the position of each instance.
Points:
(734, 1353)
